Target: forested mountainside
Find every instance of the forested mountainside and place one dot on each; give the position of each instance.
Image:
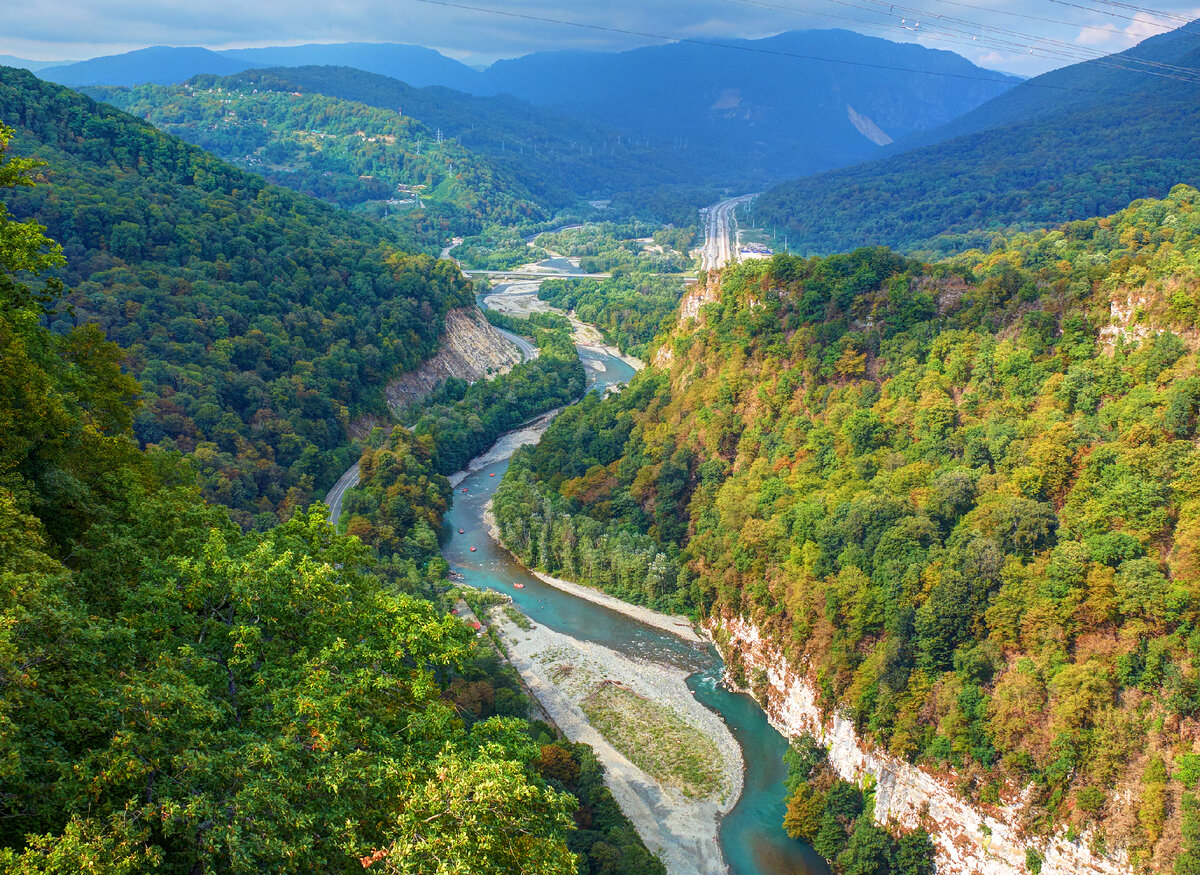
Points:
(960, 495)
(558, 158)
(734, 114)
(788, 105)
(177, 695)
(260, 322)
(398, 504)
(1077, 142)
(342, 151)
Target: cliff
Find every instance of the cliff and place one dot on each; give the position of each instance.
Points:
(470, 348)
(969, 840)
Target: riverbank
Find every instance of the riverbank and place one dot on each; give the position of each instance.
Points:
(677, 810)
(676, 624)
(507, 444)
(521, 299)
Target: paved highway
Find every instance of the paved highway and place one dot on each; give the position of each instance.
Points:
(334, 499)
(528, 350)
(720, 229)
(537, 275)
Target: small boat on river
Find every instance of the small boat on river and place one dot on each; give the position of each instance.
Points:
(462, 531)
(518, 586)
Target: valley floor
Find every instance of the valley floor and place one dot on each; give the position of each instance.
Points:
(644, 708)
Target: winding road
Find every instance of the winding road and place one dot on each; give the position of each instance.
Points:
(334, 497)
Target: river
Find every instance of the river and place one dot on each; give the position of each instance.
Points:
(751, 835)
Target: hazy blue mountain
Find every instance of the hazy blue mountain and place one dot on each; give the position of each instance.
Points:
(161, 65)
(1077, 87)
(26, 64)
(165, 65)
(505, 151)
(786, 105)
(415, 65)
(1078, 142)
(768, 109)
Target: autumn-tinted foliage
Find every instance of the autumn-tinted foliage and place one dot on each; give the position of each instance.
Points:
(259, 321)
(402, 492)
(961, 495)
(176, 695)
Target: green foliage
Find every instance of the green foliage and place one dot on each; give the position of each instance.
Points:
(402, 493)
(178, 695)
(527, 325)
(557, 158)
(538, 506)
(1033, 860)
(259, 322)
(834, 817)
(498, 249)
(630, 309)
(942, 488)
(463, 421)
(341, 151)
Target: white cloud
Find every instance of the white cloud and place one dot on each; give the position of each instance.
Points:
(84, 28)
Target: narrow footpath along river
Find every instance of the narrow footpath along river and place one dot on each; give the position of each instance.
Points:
(751, 835)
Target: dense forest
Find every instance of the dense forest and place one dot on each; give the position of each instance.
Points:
(398, 505)
(169, 686)
(338, 150)
(559, 159)
(837, 818)
(960, 494)
(260, 322)
(179, 695)
(629, 308)
(632, 305)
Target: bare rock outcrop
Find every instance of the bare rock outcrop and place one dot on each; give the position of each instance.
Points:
(969, 840)
(471, 349)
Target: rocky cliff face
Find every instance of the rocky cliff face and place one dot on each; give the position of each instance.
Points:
(471, 348)
(970, 841)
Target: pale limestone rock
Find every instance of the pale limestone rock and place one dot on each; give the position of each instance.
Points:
(468, 348)
(904, 793)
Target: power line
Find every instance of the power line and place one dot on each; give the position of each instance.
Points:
(1080, 25)
(1057, 48)
(951, 30)
(744, 48)
(1096, 11)
(1145, 10)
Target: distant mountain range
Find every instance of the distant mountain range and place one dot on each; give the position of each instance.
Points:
(350, 137)
(27, 64)
(783, 106)
(1074, 143)
(746, 111)
(167, 65)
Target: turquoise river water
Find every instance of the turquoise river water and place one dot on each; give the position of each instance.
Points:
(751, 835)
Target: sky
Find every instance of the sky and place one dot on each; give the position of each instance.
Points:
(1018, 36)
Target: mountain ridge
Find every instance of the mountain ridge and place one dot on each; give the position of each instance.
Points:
(787, 105)
(1043, 153)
